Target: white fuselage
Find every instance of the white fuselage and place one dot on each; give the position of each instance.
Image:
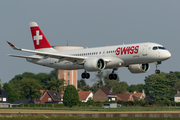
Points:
(118, 56)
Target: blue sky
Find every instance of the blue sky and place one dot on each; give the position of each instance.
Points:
(89, 23)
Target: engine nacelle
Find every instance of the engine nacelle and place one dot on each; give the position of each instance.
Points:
(139, 68)
(94, 64)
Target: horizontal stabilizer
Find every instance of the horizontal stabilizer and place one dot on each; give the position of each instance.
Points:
(32, 57)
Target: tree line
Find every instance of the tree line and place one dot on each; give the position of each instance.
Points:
(162, 86)
(28, 85)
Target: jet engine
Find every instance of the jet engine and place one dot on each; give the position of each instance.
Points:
(139, 68)
(94, 64)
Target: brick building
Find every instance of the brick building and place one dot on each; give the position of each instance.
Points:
(70, 76)
(104, 94)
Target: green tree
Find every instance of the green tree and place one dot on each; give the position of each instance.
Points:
(56, 84)
(90, 101)
(161, 85)
(177, 86)
(71, 97)
(94, 88)
(29, 88)
(53, 74)
(137, 88)
(82, 85)
(12, 95)
(42, 78)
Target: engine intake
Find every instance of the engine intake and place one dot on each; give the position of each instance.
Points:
(139, 68)
(94, 64)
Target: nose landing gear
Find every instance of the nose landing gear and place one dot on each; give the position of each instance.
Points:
(157, 71)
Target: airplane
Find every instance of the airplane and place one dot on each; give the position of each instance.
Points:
(136, 57)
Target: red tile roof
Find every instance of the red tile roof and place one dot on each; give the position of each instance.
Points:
(83, 94)
(124, 97)
(137, 95)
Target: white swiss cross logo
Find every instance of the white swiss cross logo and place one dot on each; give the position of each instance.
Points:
(37, 37)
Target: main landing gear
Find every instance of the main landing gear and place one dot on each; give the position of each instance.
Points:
(157, 71)
(85, 75)
(113, 76)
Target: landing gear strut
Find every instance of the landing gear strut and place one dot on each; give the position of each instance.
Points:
(85, 75)
(157, 71)
(113, 76)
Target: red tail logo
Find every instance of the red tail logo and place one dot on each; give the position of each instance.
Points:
(38, 37)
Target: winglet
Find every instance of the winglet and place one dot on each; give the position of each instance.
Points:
(13, 46)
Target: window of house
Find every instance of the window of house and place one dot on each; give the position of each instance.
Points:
(113, 99)
(68, 82)
(49, 99)
(4, 99)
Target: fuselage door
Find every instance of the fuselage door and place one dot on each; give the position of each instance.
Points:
(144, 51)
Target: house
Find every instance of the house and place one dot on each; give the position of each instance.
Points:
(50, 96)
(177, 97)
(18, 102)
(85, 95)
(37, 100)
(104, 94)
(138, 96)
(125, 97)
(4, 98)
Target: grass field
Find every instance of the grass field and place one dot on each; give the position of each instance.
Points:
(80, 118)
(137, 108)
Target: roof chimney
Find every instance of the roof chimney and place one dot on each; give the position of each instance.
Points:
(134, 92)
(111, 90)
(143, 91)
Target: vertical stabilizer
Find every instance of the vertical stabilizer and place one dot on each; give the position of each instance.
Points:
(39, 40)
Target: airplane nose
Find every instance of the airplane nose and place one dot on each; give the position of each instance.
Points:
(165, 55)
(168, 55)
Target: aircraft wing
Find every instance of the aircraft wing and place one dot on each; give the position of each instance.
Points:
(61, 57)
(21, 56)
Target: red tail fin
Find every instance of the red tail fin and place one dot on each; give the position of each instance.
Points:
(38, 37)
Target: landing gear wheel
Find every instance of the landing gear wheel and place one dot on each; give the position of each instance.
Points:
(115, 76)
(157, 71)
(157, 64)
(85, 75)
(112, 76)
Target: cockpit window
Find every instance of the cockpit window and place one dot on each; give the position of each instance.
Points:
(162, 48)
(155, 48)
(158, 47)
